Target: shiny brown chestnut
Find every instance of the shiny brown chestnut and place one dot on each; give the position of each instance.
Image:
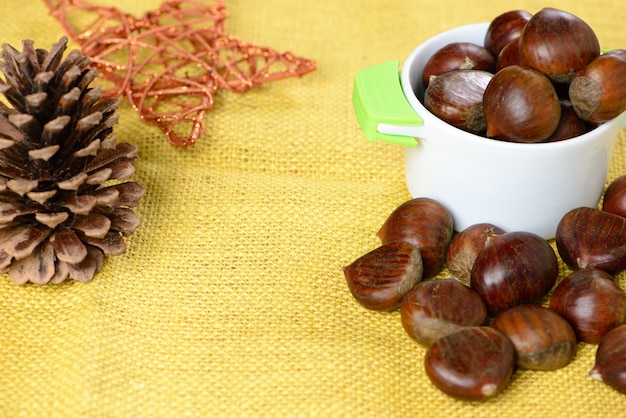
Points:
(557, 44)
(513, 269)
(504, 28)
(542, 338)
(598, 94)
(570, 125)
(464, 248)
(591, 301)
(615, 197)
(379, 279)
(473, 364)
(509, 55)
(456, 97)
(458, 56)
(436, 308)
(425, 223)
(521, 105)
(592, 238)
(610, 364)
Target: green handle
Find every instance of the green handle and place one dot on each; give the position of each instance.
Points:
(378, 99)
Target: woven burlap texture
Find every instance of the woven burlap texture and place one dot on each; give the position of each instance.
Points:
(230, 300)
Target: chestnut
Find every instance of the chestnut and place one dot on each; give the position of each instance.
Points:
(591, 301)
(379, 279)
(610, 364)
(598, 94)
(436, 308)
(509, 55)
(543, 339)
(473, 363)
(504, 28)
(456, 97)
(425, 223)
(458, 56)
(464, 248)
(615, 197)
(590, 237)
(514, 268)
(570, 125)
(557, 44)
(521, 105)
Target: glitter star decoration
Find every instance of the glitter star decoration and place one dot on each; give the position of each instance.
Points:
(170, 62)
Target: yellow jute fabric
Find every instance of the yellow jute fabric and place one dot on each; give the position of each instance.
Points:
(230, 300)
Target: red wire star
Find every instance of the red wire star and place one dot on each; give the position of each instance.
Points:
(171, 62)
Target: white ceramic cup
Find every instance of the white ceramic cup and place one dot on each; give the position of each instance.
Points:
(518, 187)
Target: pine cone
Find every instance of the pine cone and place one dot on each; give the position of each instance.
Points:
(63, 206)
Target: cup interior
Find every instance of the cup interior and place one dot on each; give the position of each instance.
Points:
(413, 89)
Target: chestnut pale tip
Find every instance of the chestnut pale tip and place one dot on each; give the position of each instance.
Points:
(489, 389)
(595, 373)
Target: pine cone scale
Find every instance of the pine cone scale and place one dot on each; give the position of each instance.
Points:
(22, 186)
(43, 78)
(44, 153)
(9, 131)
(90, 150)
(68, 247)
(41, 197)
(11, 210)
(35, 100)
(130, 193)
(25, 123)
(100, 177)
(124, 220)
(51, 220)
(53, 128)
(73, 183)
(38, 268)
(107, 196)
(81, 205)
(93, 225)
(112, 243)
(53, 58)
(22, 240)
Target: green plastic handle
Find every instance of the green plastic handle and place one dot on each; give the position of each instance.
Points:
(378, 99)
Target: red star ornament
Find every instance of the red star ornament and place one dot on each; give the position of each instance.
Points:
(171, 61)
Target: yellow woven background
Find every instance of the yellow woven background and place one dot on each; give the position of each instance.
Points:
(230, 300)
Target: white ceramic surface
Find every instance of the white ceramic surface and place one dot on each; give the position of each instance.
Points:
(519, 187)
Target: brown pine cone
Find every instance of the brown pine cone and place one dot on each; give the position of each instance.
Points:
(63, 204)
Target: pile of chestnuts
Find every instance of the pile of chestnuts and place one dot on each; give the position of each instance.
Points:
(503, 305)
(536, 78)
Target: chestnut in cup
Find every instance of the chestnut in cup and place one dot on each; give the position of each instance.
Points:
(521, 105)
(457, 98)
(458, 56)
(505, 28)
(557, 44)
(598, 94)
